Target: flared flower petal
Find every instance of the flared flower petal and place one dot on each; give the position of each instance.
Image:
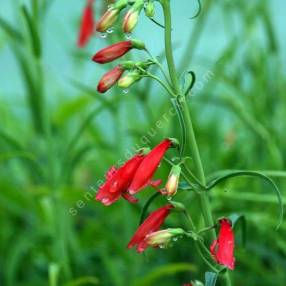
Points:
(87, 25)
(222, 249)
(118, 181)
(110, 79)
(148, 167)
(151, 224)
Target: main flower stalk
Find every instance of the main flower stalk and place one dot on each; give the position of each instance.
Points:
(192, 147)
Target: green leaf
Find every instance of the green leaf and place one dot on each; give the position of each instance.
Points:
(10, 30)
(54, 271)
(146, 206)
(33, 30)
(210, 278)
(183, 185)
(190, 79)
(276, 190)
(163, 271)
(88, 280)
(239, 219)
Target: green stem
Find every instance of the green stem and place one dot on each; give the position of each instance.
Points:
(191, 139)
(168, 45)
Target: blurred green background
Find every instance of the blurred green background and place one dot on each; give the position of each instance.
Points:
(58, 137)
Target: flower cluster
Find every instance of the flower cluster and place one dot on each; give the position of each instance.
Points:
(138, 172)
(112, 53)
(133, 176)
(131, 17)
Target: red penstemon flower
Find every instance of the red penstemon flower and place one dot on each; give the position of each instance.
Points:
(110, 79)
(222, 248)
(112, 52)
(87, 25)
(151, 224)
(147, 168)
(117, 182)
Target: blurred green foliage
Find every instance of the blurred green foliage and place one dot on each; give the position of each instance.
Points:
(58, 139)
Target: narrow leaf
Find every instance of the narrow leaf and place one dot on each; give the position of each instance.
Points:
(253, 174)
(210, 278)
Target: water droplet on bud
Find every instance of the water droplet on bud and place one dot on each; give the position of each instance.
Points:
(110, 30)
(125, 91)
(128, 36)
(103, 35)
(169, 198)
(175, 238)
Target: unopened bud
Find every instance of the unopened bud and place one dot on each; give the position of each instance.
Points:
(109, 79)
(150, 9)
(163, 238)
(171, 186)
(129, 79)
(175, 142)
(116, 51)
(110, 16)
(132, 16)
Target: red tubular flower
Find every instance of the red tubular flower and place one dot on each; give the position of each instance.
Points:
(116, 51)
(151, 224)
(117, 182)
(222, 248)
(110, 79)
(87, 25)
(112, 52)
(148, 167)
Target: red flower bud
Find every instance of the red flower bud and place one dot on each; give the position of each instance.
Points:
(132, 16)
(172, 182)
(110, 79)
(151, 224)
(116, 51)
(110, 16)
(117, 182)
(164, 238)
(107, 20)
(148, 167)
(87, 25)
(112, 52)
(222, 248)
